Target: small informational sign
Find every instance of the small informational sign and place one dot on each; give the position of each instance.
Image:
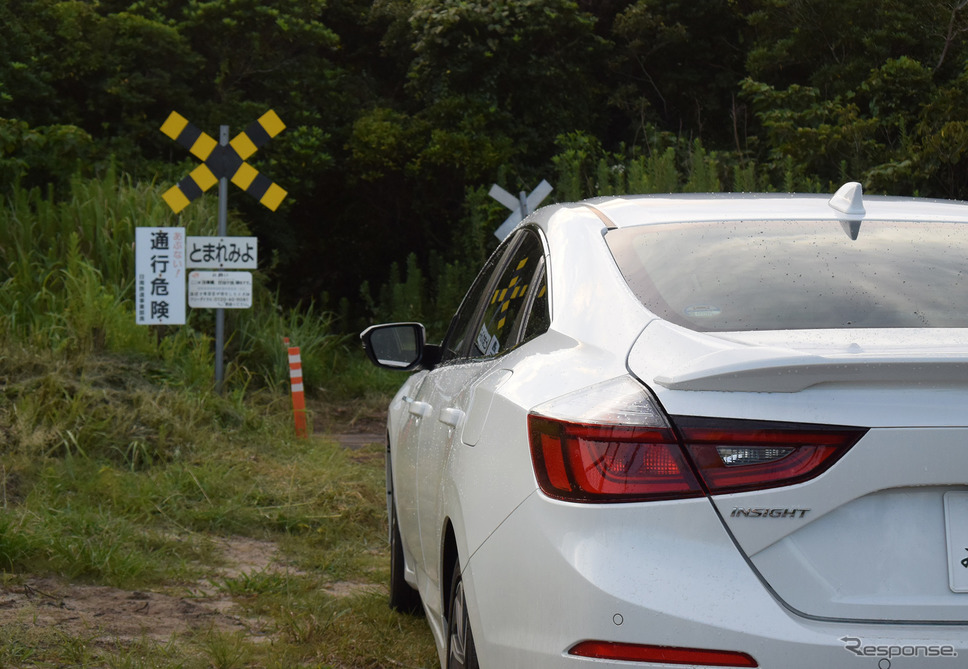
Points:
(160, 276)
(487, 343)
(222, 252)
(220, 290)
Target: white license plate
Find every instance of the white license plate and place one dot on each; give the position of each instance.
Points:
(956, 528)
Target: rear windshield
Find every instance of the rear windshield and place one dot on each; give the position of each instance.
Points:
(793, 275)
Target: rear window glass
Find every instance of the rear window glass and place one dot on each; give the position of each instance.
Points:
(793, 275)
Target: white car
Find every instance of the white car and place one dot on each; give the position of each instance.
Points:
(703, 430)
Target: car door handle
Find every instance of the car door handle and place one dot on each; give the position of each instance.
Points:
(420, 409)
(451, 416)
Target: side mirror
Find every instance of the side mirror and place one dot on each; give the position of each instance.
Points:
(399, 346)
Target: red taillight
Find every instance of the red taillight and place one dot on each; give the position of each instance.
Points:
(608, 463)
(633, 652)
(733, 456)
(624, 463)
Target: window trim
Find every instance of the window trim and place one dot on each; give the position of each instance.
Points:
(510, 245)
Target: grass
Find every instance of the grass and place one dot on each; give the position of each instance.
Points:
(111, 477)
(122, 468)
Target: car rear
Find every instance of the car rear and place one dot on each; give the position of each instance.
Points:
(780, 479)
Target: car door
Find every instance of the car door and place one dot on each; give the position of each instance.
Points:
(417, 408)
(492, 324)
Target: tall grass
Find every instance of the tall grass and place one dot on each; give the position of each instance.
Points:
(67, 284)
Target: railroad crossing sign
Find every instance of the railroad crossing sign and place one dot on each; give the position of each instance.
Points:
(223, 161)
(520, 206)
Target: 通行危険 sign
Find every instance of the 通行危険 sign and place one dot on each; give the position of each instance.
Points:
(160, 276)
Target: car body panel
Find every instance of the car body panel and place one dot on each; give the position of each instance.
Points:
(866, 539)
(624, 578)
(403, 471)
(851, 546)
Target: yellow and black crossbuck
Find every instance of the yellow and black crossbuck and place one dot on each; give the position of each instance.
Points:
(223, 161)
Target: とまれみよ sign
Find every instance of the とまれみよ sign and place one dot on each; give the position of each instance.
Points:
(222, 252)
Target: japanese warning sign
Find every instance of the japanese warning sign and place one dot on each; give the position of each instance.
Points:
(220, 290)
(223, 252)
(160, 276)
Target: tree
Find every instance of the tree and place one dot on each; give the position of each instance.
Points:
(523, 70)
(832, 45)
(678, 66)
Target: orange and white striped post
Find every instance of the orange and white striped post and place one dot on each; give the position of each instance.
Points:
(296, 385)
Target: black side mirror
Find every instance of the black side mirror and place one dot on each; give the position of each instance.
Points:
(399, 346)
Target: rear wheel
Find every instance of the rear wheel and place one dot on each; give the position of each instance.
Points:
(461, 653)
(403, 598)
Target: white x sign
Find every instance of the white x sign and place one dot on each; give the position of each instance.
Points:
(520, 206)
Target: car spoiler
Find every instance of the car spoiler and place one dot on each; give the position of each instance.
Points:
(710, 362)
(790, 374)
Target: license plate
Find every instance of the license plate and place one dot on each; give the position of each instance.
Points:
(956, 528)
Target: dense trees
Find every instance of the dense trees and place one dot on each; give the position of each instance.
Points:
(401, 113)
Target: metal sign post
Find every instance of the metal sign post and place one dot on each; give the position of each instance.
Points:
(520, 206)
(223, 223)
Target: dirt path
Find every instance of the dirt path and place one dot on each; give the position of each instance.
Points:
(352, 426)
(111, 615)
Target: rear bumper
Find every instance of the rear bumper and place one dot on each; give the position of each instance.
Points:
(554, 574)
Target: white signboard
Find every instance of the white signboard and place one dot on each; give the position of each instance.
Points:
(220, 290)
(223, 252)
(159, 260)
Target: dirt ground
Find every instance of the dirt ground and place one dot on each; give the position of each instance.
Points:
(124, 616)
(111, 616)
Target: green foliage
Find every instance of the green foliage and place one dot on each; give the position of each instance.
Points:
(816, 134)
(575, 164)
(42, 155)
(678, 63)
(702, 172)
(833, 45)
(62, 405)
(506, 61)
(400, 115)
(383, 141)
(258, 350)
(934, 156)
(656, 173)
(585, 169)
(407, 297)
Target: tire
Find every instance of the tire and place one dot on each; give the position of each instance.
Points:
(403, 598)
(461, 652)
